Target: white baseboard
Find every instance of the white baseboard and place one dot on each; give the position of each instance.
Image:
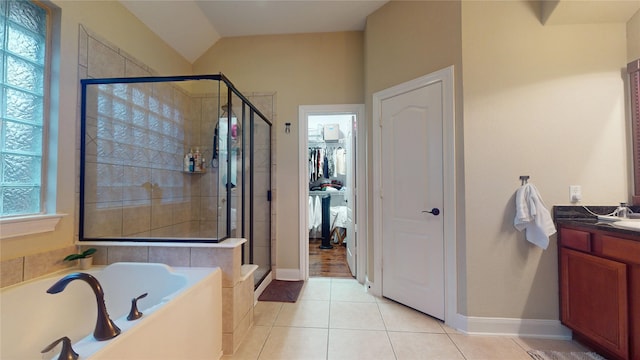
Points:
(263, 285)
(288, 274)
(547, 329)
(474, 325)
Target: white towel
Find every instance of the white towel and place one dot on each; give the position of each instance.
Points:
(317, 213)
(533, 217)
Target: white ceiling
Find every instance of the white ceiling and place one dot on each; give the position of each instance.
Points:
(562, 12)
(193, 26)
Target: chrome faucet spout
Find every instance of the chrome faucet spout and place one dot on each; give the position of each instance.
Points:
(105, 327)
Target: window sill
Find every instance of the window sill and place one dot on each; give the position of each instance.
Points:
(28, 225)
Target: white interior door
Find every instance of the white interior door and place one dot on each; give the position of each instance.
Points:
(412, 184)
(351, 237)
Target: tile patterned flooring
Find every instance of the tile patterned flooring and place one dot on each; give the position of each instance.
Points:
(335, 318)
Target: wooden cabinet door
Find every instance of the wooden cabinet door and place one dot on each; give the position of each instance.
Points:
(594, 299)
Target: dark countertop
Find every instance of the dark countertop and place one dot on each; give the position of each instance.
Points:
(578, 217)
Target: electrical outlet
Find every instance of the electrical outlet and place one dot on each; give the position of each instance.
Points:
(575, 193)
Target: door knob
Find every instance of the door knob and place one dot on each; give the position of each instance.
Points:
(434, 211)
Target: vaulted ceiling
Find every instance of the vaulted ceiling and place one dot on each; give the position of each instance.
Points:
(193, 26)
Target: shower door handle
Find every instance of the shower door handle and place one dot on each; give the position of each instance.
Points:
(434, 211)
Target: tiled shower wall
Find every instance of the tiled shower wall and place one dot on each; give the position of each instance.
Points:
(99, 59)
(136, 140)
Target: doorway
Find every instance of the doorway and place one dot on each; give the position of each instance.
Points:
(329, 191)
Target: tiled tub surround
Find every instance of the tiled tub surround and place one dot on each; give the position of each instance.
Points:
(237, 279)
(14, 271)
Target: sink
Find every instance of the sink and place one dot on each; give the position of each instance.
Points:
(629, 224)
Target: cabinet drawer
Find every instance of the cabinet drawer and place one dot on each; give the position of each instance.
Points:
(627, 251)
(575, 239)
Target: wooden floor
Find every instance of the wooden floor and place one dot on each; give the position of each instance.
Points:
(327, 262)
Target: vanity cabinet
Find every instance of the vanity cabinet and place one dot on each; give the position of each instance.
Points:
(600, 289)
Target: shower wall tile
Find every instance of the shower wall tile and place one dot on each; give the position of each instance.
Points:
(161, 214)
(103, 222)
(83, 51)
(182, 211)
(134, 69)
(136, 219)
(208, 229)
(261, 254)
(103, 60)
(208, 208)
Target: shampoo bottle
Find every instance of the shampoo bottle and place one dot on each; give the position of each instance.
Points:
(191, 161)
(197, 160)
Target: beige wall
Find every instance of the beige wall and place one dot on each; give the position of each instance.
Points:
(303, 69)
(405, 40)
(544, 101)
(633, 37)
(114, 23)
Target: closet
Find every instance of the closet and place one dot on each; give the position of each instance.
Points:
(328, 145)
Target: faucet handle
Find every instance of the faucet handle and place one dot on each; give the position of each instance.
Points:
(134, 314)
(66, 353)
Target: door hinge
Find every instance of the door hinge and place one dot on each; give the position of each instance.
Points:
(268, 195)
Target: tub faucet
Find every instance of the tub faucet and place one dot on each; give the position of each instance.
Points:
(105, 327)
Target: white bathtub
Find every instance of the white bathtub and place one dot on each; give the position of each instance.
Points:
(182, 314)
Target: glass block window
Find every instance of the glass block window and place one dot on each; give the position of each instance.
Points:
(23, 40)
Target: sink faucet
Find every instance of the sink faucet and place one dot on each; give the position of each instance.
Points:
(105, 327)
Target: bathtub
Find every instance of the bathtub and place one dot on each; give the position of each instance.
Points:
(182, 314)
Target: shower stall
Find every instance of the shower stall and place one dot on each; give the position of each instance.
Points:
(175, 159)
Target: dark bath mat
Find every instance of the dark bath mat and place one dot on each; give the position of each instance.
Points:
(282, 291)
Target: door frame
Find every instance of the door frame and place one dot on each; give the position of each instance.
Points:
(445, 76)
(360, 187)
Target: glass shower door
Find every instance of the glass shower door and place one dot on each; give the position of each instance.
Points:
(258, 203)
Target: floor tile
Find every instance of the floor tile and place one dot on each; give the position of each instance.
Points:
(356, 316)
(252, 344)
(316, 289)
(349, 290)
(359, 344)
(338, 319)
(489, 347)
(295, 343)
(304, 313)
(398, 317)
(266, 312)
(413, 346)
